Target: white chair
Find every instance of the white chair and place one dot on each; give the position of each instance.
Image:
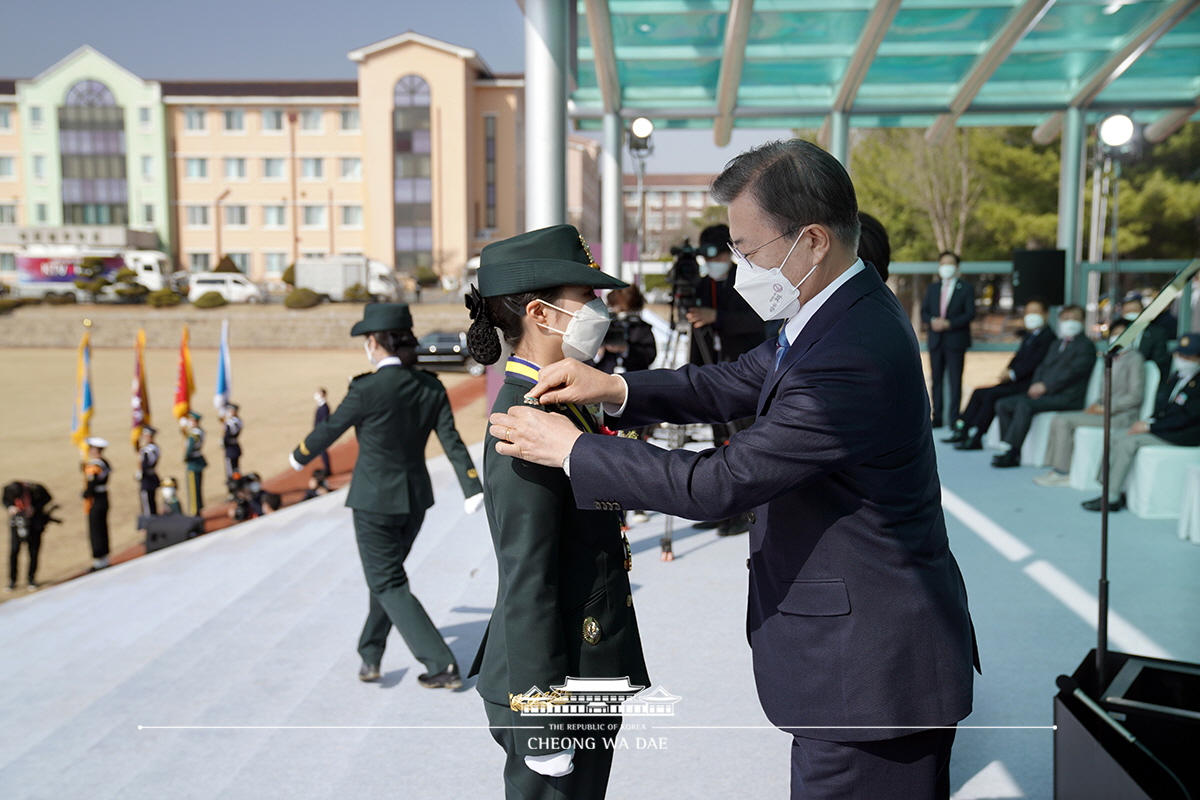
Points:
(1037, 442)
(1155, 488)
(1088, 449)
(1189, 513)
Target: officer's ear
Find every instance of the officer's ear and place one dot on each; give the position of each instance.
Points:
(538, 312)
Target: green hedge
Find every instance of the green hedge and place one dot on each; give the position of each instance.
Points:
(302, 298)
(356, 293)
(163, 298)
(210, 300)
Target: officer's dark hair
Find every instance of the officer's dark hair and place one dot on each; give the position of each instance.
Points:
(795, 183)
(873, 245)
(1119, 323)
(1040, 301)
(504, 313)
(1077, 309)
(952, 254)
(399, 343)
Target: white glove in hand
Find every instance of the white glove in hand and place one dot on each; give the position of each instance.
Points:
(137, 476)
(296, 465)
(472, 503)
(555, 765)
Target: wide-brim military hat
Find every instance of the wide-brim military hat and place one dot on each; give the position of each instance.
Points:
(96, 442)
(541, 259)
(383, 317)
(1189, 345)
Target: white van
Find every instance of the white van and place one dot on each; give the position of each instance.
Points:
(234, 287)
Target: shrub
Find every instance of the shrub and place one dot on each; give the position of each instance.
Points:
(226, 265)
(163, 298)
(9, 303)
(426, 277)
(289, 275)
(302, 298)
(210, 300)
(127, 286)
(61, 300)
(356, 293)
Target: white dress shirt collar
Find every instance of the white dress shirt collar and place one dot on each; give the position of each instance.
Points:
(806, 312)
(390, 361)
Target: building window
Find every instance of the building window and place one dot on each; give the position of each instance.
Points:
(654, 199)
(147, 168)
(489, 134)
(311, 120)
(274, 216)
(240, 260)
(352, 216)
(674, 222)
(275, 263)
(312, 169)
(235, 168)
(148, 214)
(413, 192)
(193, 119)
(6, 167)
(349, 119)
(196, 169)
(272, 119)
(35, 118)
(39, 168)
(197, 216)
(654, 220)
(91, 139)
(8, 215)
(144, 117)
(8, 262)
(696, 200)
(40, 213)
(5, 117)
(351, 169)
(313, 216)
(198, 262)
(674, 198)
(273, 169)
(235, 215)
(234, 119)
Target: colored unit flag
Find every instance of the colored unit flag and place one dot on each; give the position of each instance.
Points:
(141, 400)
(185, 383)
(81, 414)
(224, 370)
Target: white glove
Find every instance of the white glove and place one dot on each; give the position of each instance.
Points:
(555, 765)
(296, 465)
(137, 476)
(472, 503)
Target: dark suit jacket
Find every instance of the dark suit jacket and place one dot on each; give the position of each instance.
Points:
(1031, 353)
(1178, 420)
(1066, 369)
(559, 565)
(960, 311)
(322, 413)
(393, 411)
(857, 613)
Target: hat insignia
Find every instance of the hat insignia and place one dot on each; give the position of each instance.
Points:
(588, 251)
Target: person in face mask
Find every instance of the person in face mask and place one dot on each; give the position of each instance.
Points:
(1153, 342)
(564, 607)
(1059, 384)
(1176, 421)
(321, 398)
(394, 409)
(947, 311)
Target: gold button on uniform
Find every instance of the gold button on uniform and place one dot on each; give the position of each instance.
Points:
(591, 630)
(629, 601)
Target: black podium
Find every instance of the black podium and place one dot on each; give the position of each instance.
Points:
(164, 530)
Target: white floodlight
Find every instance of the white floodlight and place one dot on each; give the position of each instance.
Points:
(642, 128)
(1116, 130)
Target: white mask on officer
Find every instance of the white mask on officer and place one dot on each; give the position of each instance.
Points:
(1184, 367)
(767, 291)
(367, 350)
(168, 492)
(585, 332)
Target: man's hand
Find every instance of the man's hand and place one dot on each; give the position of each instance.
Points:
(1141, 426)
(1005, 377)
(701, 316)
(569, 381)
(1036, 390)
(939, 324)
(1095, 409)
(533, 435)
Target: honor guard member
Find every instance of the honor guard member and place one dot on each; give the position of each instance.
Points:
(393, 411)
(27, 517)
(232, 429)
(95, 499)
(171, 496)
(564, 606)
(147, 471)
(193, 459)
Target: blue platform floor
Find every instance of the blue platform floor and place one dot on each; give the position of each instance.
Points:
(226, 667)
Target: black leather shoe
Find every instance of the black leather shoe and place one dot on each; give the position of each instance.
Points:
(368, 673)
(959, 435)
(1009, 459)
(937, 423)
(972, 443)
(1094, 505)
(734, 527)
(446, 679)
(708, 525)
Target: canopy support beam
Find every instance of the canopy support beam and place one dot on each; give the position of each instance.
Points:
(1070, 194)
(546, 59)
(737, 31)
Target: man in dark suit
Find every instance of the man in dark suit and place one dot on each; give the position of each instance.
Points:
(1176, 421)
(1152, 342)
(322, 414)
(393, 411)
(1059, 384)
(947, 311)
(857, 616)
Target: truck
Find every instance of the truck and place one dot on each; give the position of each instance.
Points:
(331, 276)
(51, 271)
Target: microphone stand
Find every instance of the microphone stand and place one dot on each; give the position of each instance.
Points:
(1102, 595)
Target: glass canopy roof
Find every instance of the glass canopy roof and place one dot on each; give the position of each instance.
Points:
(885, 63)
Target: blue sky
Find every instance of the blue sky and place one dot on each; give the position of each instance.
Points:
(169, 39)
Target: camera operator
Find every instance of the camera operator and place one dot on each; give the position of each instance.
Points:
(629, 344)
(250, 500)
(27, 517)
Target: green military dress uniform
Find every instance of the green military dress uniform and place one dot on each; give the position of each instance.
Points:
(393, 411)
(193, 459)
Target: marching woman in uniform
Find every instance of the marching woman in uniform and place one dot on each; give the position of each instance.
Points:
(564, 606)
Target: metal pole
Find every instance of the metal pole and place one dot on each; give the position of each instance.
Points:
(546, 38)
(1070, 187)
(839, 137)
(1114, 291)
(1102, 594)
(641, 236)
(612, 222)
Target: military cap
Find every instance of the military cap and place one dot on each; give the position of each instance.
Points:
(382, 317)
(541, 259)
(1189, 345)
(96, 441)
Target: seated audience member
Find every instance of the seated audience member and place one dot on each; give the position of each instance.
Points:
(1128, 387)
(1059, 384)
(1152, 342)
(1176, 421)
(973, 422)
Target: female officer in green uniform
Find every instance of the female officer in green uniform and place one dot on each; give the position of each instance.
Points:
(563, 607)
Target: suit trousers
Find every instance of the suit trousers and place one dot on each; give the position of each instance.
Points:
(98, 524)
(383, 543)
(981, 408)
(912, 767)
(1016, 414)
(33, 543)
(148, 492)
(1124, 450)
(587, 781)
(947, 363)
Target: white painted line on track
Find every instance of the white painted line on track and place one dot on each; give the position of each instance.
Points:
(1004, 542)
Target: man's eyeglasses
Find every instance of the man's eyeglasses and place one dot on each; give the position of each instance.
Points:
(742, 258)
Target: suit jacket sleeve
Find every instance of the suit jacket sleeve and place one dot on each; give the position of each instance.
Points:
(327, 432)
(960, 317)
(1076, 365)
(456, 451)
(1129, 382)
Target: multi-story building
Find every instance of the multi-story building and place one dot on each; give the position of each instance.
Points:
(417, 163)
(674, 203)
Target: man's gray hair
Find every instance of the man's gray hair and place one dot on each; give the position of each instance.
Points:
(795, 183)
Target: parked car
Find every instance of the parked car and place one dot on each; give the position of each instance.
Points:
(442, 349)
(234, 287)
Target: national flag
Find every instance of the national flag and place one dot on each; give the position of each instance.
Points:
(141, 400)
(224, 370)
(81, 415)
(185, 383)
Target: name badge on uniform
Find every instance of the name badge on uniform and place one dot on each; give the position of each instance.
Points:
(1181, 398)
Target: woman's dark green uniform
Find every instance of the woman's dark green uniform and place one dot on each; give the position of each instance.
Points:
(393, 411)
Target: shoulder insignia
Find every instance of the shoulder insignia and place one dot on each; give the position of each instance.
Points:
(303, 450)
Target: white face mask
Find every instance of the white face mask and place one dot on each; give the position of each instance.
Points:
(946, 271)
(1034, 321)
(318, 398)
(367, 350)
(1069, 328)
(585, 332)
(767, 291)
(1185, 368)
(717, 270)
(168, 492)
(1131, 316)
